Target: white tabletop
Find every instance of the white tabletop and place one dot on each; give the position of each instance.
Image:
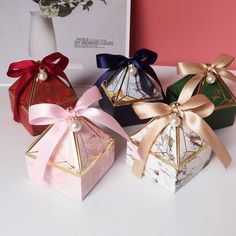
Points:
(120, 204)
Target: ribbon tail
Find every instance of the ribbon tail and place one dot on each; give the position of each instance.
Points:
(103, 118)
(208, 135)
(146, 144)
(46, 146)
(189, 88)
(89, 97)
(150, 79)
(157, 84)
(226, 74)
(146, 83)
(147, 68)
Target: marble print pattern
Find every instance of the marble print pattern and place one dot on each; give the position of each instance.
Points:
(77, 173)
(75, 186)
(173, 176)
(77, 157)
(127, 87)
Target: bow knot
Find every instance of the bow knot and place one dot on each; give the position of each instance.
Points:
(210, 69)
(131, 61)
(176, 111)
(41, 68)
(191, 112)
(71, 112)
(200, 71)
(61, 119)
(39, 65)
(27, 70)
(142, 60)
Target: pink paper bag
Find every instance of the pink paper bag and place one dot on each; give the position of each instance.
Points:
(184, 30)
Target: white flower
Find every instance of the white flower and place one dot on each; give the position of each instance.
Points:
(50, 11)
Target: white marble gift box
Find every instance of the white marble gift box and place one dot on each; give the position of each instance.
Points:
(125, 87)
(126, 82)
(78, 162)
(176, 156)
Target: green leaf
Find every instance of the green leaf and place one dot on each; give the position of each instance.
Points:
(87, 5)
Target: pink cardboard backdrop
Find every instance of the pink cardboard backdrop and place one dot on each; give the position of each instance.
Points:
(184, 30)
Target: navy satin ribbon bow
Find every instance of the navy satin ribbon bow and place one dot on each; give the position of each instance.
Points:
(142, 60)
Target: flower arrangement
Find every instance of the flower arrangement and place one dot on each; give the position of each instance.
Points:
(62, 8)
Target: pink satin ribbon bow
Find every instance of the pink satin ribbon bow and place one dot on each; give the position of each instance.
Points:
(48, 114)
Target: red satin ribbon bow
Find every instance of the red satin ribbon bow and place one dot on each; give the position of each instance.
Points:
(27, 70)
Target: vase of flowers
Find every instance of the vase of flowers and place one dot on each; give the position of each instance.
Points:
(42, 39)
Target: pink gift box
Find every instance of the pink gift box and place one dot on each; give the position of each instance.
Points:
(78, 162)
(184, 30)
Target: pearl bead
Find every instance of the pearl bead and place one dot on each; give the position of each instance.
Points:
(133, 70)
(75, 125)
(175, 121)
(42, 75)
(210, 79)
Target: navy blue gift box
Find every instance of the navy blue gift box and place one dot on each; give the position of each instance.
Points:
(127, 81)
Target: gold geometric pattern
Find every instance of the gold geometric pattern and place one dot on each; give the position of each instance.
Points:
(218, 93)
(123, 88)
(76, 153)
(175, 146)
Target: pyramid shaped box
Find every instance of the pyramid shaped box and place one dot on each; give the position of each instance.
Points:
(123, 89)
(50, 91)
(177, 143)
(207, 79)
(39, 82)
(126, 82)
(176, 156)
(79, 160)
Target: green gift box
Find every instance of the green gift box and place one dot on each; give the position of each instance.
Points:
(207, 79)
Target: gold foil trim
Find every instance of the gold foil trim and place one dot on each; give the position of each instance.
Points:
(177, 132)
(232, 102)
(25, 109)
(32, 94)
(122, 103)
(78, 159)
(29, 154)
(170, 163)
